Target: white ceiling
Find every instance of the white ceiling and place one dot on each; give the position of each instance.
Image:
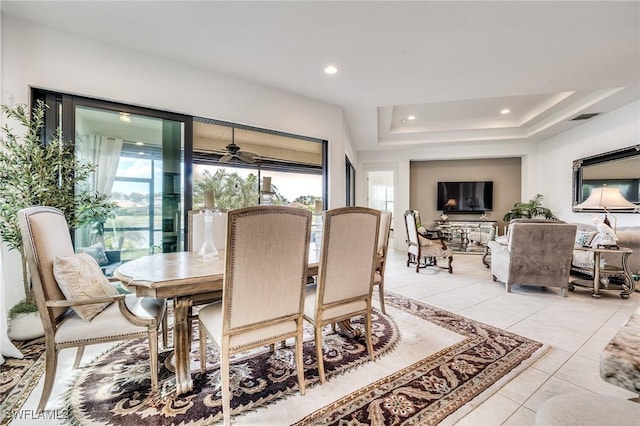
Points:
(454, 65)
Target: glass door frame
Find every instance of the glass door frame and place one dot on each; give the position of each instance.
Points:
(62, 107)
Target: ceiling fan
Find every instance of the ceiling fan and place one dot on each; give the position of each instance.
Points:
(233, 151)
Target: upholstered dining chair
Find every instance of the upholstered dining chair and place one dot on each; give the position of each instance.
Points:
(195, 238)
(263, 291)
(425, 247)
(383, 246)
(345, 273)
(74, 298)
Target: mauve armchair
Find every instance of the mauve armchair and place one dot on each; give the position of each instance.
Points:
(537, 253)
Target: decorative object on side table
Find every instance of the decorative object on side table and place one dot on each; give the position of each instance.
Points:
(605, 238)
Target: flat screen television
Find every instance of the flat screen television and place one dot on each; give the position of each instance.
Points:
(465, 197)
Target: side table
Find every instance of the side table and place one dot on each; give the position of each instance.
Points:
(603, 273)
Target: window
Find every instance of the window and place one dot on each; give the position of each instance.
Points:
(141, 156)
(233, 160)
(156, 166)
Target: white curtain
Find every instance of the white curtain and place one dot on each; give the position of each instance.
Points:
(104, 152)
(6, 347)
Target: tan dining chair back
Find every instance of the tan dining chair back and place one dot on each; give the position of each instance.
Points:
(264, 285)
(45, 235)
(383, 247)
(346, 271)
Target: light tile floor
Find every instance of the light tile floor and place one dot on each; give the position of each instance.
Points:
(577, 328)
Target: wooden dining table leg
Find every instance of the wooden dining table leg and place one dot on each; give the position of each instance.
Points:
(182, 344)
(345, 328)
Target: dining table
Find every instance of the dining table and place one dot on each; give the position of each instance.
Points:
(188, 279)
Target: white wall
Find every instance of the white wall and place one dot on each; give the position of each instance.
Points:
(617, 129)
(45, 58)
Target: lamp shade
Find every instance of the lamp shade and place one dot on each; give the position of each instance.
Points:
(607, 198)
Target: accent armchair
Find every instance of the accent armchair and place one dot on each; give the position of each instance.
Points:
(425, 247)
(83, 320)
(536, 253)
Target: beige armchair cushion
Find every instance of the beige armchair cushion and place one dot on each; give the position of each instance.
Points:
(79, 277)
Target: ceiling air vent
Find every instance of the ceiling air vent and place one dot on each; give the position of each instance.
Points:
(585, 116)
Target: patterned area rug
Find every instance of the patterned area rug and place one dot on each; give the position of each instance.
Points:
(428, 391)
(18, 377)
(114, 389)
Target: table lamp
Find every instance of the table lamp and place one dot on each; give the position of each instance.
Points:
(606, 198)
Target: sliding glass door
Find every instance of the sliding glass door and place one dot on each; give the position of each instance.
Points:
(140, 159)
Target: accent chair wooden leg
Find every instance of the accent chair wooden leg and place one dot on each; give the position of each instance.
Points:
(450, 262)
(408, 259)
(79, 354)
(153, 357)
(51, 363)
(320, 360)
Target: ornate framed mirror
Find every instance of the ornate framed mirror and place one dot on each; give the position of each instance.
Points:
(619, 168)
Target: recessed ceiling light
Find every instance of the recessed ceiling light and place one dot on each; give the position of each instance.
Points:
(330, 70)
(141, 153)
(125, 116)
(505, 111)
(139, 143)
(411, 117)
(403, 121)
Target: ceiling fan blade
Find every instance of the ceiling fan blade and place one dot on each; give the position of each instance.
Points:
(246, 158)
(225, 158)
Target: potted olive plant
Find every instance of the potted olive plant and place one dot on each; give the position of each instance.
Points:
(36, 174)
